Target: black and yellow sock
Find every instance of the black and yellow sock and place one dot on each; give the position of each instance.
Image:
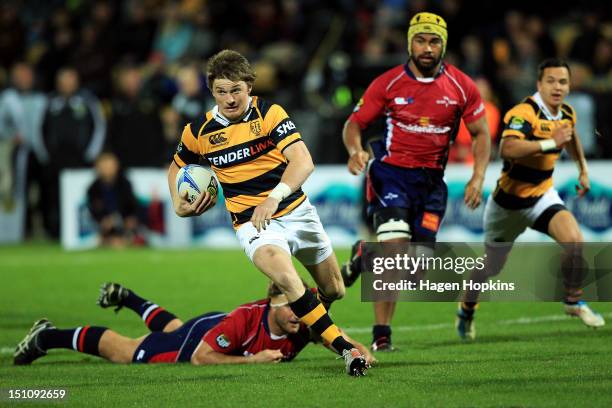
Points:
(83, 339)
(326, 300)
(311, 311)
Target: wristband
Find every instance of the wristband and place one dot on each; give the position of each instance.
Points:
(280, 192)
(547, 145)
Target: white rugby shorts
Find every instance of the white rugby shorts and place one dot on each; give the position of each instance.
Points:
(501, 224)
(299, 232)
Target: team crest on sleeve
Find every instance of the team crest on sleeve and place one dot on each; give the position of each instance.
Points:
(223, 341)
(179, 148)
(516, 123)
(256, 127)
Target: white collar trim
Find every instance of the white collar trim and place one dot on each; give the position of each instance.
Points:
(225, 121)
(538, 99)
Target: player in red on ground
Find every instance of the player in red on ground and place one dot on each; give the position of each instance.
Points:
(263, 331)
(423, 102)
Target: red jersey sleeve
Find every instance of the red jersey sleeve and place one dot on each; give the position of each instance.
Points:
(227, 337)
(474, 108)
(372, 105)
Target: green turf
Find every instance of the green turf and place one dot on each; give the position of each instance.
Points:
(551, 363)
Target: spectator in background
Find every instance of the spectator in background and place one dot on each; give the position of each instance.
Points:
(473, 56)
(173, 35)
(461, 150)
(12, 35)
(21, 114)
(135, 131)
(112, 203)
(138, 33)
(584, 45)
(60, 40)
(73, 135)
(191, 100)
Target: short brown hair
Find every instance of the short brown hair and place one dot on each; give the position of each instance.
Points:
(228, 64)
(552, 63)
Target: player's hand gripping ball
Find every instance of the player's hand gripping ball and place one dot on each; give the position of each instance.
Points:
(195, 180)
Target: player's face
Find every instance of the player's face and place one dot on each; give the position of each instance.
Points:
(231, 97)
(286, 319)
(426, 52)
(554, 86)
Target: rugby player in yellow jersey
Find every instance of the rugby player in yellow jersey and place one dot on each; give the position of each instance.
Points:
(536, 131)
(261, 162)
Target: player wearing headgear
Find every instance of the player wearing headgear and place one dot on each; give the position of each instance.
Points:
(259, 332)
(258, 155)
(536, 131)
(423, 102)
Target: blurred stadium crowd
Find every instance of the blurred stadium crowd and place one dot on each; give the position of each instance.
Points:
(79, 77)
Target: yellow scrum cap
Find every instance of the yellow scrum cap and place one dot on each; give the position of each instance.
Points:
(428, 23)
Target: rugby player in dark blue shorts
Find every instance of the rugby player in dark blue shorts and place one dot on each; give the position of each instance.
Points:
(422, 103)
(258, 332)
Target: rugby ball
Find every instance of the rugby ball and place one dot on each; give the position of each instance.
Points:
(195, 180)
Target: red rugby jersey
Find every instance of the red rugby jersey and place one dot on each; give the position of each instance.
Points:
(422, 114)
(245, 332)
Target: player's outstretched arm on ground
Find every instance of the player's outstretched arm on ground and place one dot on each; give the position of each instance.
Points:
(182, 207)
(482, 153)
(299, 167)
(206, 355)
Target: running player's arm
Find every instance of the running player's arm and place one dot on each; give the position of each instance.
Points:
(518, 125)
(475, 120)
(299, 167)
(575, 150)
(287, 139)
(186, 153)
(369, 107)
(481, 148)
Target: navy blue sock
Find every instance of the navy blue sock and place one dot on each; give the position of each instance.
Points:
(83, 339)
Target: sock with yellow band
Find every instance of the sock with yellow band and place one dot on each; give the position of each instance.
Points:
(311, 311)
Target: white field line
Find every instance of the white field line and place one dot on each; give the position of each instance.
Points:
(426, 327)
(443, 326)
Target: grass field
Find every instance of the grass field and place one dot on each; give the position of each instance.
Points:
(526, 354)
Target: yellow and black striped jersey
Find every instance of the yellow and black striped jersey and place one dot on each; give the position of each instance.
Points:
(246, 155)
(523, 181)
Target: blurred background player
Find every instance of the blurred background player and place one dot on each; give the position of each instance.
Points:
(423, 101)
(21, 152)
(73, 132)
(536, 132)
(257, 154)
(112, 203)
(263, 331)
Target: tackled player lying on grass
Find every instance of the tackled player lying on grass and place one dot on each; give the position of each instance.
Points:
(259, 332)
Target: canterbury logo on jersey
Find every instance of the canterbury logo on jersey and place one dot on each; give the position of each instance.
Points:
(241, 153)
(217, 138)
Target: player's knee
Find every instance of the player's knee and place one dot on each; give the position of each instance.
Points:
(335, 290)
(393, 229)
(173, 325)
